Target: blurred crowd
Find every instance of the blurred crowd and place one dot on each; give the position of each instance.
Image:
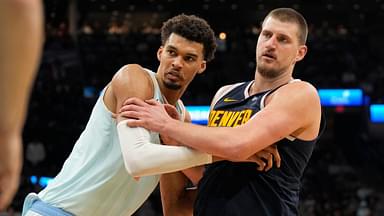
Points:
(346, 171)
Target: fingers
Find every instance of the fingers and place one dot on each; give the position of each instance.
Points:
(152, 102)
(269, 162)
(134, 100)
(130, 114)
(268, 158)
(171, 110)
(264, 160)
(275, 153)
(168, 140)
(135, 123)
(261, 164)
(277, 158)
(130, 107)
(136, 104)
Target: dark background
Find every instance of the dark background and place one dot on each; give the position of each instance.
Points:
(88, 41)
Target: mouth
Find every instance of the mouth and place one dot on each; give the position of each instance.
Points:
(269, 56)
(173, 75)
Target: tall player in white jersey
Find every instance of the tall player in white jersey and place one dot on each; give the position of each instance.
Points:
(98, 176)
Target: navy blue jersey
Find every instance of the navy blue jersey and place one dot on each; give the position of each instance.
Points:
(238, 189)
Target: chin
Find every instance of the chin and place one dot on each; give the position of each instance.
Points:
(268, 72)
(172, 85)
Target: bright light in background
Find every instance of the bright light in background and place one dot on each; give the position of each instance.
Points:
(222, 36)
(199, 114)
(33, 179)
(42, 181)
(341, 97)
(377, 113)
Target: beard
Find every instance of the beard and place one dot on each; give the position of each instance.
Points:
(171, 85)
(269, 72)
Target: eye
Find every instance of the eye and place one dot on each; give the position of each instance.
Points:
(267, 34)
(283, 39)
(190, 59)
(171, 52)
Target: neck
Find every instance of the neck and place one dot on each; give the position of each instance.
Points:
(170, 96)
(261, 83)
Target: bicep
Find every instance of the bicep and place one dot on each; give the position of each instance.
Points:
(285, 114)
(130, 81)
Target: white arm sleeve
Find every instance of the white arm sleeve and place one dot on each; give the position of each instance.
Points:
(141, 157)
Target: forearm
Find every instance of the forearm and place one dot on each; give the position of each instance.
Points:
(220, 142)
(226, 143)
(194, 174)
(175, 199)
(20, 48)
(141, 157)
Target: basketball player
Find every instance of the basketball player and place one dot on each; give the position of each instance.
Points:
(98, 178)
(21, 38)
(272, 109)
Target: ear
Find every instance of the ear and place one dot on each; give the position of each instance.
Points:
(203, 66)
(301, 53)
(159, 51)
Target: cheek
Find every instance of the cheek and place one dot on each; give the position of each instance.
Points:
(189, 74)
(164, 63)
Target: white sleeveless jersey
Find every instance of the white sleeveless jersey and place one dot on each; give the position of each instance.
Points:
(93, 180)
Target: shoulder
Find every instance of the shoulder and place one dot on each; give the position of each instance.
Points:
(130, 73)
(299, 105)
(296, 90)
(298, 96)
(132, 79)
(299, 90)
(222, 91)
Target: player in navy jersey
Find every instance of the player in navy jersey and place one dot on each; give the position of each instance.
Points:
(272, 109)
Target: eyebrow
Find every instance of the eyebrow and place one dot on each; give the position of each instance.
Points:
(188, 54)
(277, 33)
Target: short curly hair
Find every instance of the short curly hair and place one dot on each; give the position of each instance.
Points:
(192, 28)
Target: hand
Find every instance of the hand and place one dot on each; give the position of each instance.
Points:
(166, 140)
(171, 110)
(10, 168)
(149, 114)
(265, 158)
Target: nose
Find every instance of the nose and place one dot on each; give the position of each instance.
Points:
(271, 42)
(177, 62)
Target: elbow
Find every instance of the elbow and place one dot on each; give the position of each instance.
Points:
(132, 166)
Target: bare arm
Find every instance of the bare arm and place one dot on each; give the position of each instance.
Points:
(176, 200)
(21, 40)
(194, 174)
(20, 46)
(285, 114)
